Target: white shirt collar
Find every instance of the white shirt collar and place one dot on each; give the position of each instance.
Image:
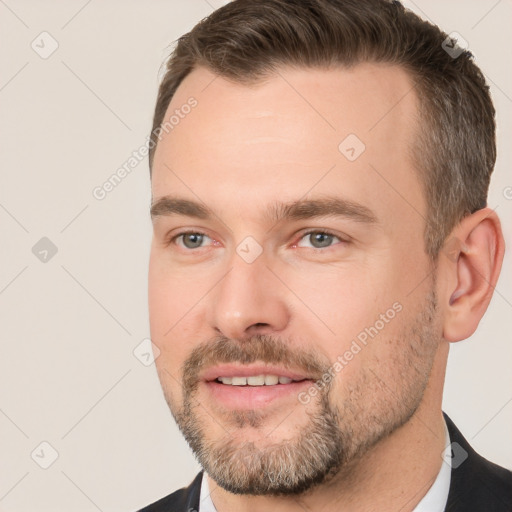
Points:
(434, 501)
(205, 500)
(437, 496)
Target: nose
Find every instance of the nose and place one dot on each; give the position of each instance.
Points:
(249, 300)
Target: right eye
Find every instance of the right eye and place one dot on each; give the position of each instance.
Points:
(190, 239)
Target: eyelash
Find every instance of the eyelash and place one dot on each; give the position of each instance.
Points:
(173, 238)
(321, 232)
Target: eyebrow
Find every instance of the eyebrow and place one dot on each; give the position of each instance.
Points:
(278, 211)
(323, 207)
(167, 205)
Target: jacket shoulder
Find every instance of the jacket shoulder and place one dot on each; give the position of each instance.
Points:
(476, 483)
(182, 500)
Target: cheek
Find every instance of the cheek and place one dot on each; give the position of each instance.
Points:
(176, 315)
(170, 295)
(160, 301)
(342, 300)
(358, 317)
(165, 311)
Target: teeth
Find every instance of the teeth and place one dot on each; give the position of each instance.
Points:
(255, 380)
(271, 380)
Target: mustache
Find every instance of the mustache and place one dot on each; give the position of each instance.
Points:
(262, 348)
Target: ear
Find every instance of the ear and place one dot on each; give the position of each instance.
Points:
(471, 264)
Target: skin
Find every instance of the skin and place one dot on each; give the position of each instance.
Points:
(244, 147)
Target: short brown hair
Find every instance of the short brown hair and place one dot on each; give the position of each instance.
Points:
(455, 149)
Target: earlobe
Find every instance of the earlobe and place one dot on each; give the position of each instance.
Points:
(474, 257)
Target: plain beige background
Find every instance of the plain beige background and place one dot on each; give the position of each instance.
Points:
(70, 325)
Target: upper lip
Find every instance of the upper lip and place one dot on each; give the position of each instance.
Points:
(238, 370)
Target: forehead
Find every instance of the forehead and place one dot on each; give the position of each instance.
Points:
(300, 131)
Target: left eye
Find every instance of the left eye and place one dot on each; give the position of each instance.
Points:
(191, 240)
(318, 239)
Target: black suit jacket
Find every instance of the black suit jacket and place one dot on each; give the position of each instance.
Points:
(477, 485)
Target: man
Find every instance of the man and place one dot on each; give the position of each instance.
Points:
(319, 179)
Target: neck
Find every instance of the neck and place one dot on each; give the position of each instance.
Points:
(393, 475)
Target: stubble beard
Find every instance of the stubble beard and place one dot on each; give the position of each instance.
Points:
(336, 435)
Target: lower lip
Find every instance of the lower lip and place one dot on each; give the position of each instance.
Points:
(254, 397)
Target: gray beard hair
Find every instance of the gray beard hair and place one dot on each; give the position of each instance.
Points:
(289, 467)
(334, 437)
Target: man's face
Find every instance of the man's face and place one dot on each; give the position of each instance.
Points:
(303, 259)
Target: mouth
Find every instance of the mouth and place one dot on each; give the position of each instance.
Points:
(256, 380)
(238, 387)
